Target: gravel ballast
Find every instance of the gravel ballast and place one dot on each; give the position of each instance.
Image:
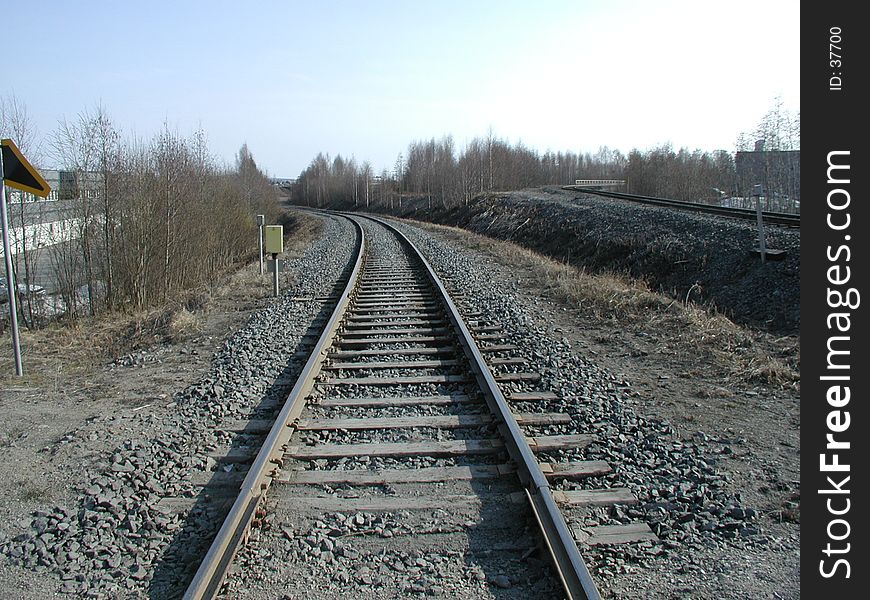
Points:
(117, 540)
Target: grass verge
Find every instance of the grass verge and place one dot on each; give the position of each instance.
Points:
(75, 347)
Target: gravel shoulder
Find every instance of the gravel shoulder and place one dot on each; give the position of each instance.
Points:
(94, 443)
(686, 405)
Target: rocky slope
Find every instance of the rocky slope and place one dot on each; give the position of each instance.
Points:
(706, 259)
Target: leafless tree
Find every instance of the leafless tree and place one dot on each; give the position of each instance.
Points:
(366, 174)
(169, 218)
(74, 149)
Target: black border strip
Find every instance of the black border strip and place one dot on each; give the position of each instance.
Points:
(834, 261)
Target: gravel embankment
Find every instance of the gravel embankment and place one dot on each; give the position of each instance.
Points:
(118, 540)
(682, 495)
(703, 258)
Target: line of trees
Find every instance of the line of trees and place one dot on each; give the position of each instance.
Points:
(683, 175)
(779, 129)
(150, 218)
(435, 174)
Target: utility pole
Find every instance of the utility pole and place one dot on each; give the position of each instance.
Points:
(756, 191)
(18, 173)
(10, 278)
(261, 220)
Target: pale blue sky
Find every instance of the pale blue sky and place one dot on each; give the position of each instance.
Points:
(365, 78)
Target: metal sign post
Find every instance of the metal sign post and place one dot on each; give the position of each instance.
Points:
(275, 246)
(18, 173)
(261, 220)
(275, 271)
(10, 278)
(756, 191)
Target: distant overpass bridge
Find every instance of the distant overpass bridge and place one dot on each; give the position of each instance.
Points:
(599, 184)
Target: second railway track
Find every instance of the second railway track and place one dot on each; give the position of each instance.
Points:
(414, 443)
(774, 218)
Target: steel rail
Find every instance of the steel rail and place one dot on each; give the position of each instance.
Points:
(212, 571)
(577, 581)
(776, 218)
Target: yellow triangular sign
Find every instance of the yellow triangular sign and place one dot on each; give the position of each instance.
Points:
(19, 173)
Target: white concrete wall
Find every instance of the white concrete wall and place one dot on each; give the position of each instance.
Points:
(42, 235)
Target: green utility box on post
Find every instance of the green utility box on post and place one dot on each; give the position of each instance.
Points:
(274, 239)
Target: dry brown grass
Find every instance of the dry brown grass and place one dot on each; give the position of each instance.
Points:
(302, 229)
(246, 281)
(73, 347)
(682, 327)
(48, 352)
(77, 346)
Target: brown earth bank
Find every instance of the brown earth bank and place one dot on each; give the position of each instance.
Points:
(706, 259)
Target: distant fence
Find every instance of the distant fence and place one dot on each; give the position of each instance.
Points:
(600, 184)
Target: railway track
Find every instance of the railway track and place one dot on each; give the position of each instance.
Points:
(407, 407)
(774, 218)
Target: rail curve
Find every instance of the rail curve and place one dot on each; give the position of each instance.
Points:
(396, 316)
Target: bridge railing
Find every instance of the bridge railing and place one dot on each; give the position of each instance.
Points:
(599, 183)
